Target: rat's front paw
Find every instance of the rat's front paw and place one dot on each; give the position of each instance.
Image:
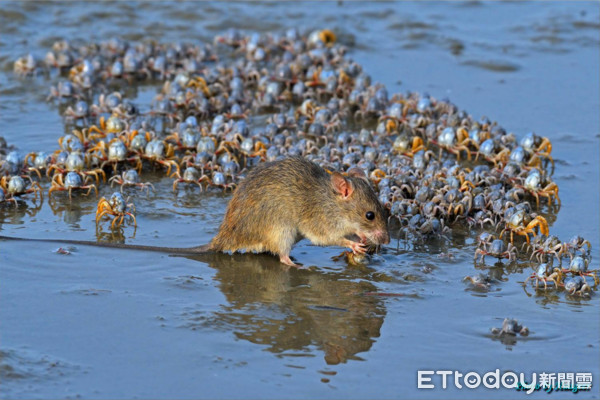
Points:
(356, 247)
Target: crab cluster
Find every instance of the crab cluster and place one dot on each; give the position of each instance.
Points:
(572, 279)
(226, 106)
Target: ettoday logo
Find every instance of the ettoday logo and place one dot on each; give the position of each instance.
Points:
(509, 380)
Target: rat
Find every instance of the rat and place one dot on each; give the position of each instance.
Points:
(283, 201)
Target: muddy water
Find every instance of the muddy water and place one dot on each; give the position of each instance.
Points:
(102, 323)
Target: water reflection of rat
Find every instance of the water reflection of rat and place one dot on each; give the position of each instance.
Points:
(283, 201)
(292, 310)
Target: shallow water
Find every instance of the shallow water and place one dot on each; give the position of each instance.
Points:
(103, 323)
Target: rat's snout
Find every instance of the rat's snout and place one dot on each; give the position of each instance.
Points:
(381, 236)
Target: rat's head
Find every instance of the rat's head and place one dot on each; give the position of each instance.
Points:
(361, 210)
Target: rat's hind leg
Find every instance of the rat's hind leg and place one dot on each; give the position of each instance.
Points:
(287, 261)
(279, 240)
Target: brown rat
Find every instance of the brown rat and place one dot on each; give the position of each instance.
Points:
(283, 201)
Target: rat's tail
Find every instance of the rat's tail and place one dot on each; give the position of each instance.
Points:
(172, 250)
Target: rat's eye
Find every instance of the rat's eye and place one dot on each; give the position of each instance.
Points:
(370, 215)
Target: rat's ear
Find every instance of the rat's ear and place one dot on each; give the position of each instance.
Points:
(357, 173)
(341, 185)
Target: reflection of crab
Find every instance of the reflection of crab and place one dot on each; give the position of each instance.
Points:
(545, 273)
(71, 181)
(117, 207)
(522, 224)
